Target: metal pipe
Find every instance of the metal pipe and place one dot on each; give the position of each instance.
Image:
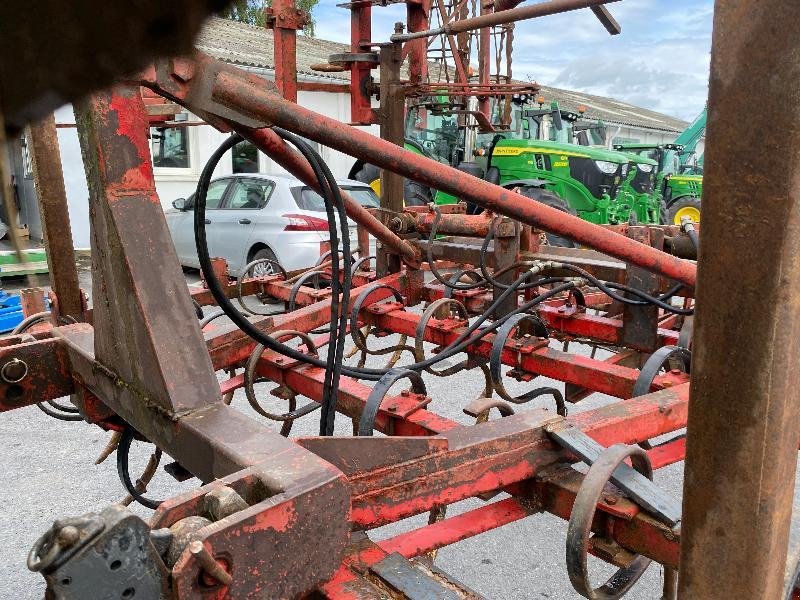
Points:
(541, 9)
(744, 415)
(248, 96)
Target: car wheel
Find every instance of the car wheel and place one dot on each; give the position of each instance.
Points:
(688, 206)
(553, 201)
(265, 268)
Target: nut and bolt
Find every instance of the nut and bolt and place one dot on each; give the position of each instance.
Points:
(213, 570)
(611, 500)
(68, 535)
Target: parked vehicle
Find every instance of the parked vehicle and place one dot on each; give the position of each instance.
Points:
(679, 179)
(252, 215)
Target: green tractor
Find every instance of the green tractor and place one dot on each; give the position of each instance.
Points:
(679, 179)
(553, 157)
(547, 154)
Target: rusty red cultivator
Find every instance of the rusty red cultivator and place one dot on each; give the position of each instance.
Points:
(280, 517)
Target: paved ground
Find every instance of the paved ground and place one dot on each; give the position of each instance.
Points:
(48, 470)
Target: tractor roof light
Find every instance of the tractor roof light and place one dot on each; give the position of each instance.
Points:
(581, 109)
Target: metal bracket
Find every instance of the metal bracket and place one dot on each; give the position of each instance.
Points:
(639, 488)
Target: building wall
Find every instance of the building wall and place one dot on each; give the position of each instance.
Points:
(172, 182)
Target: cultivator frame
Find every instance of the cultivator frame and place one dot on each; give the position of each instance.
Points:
(280, 517)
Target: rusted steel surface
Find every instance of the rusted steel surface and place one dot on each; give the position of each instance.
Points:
(49, 181)
(132, 250)
(42, 69)
(245, 95)
(540, 9)
(392, 129)
(744, 416)
(597, 375)
(284, 18)
(43, 375)
(135, 369)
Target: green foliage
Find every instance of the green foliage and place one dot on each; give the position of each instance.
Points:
(252, 12)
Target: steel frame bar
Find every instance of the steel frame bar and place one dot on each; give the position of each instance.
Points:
(741, 455)
(486, 20)
(49, 181)
(596, 375)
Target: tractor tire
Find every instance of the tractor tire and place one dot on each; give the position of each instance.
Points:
(687, 206)
(414, 193)
(369, 174)
(553, 201)
(663, 213)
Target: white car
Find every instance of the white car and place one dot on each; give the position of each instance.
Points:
(251, 216)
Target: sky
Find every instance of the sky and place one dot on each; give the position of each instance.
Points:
(660, 61)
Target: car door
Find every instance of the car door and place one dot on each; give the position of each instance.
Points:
(181, 223)
(235, 221)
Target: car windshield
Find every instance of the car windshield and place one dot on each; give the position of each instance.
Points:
(308, 199)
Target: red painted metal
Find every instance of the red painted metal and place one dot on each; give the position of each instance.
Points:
(306, 497)
(284, 18)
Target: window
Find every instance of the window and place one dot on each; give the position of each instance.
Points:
(170, 147)
(244, 157)
(214, 195)
(308, 199)
(250, 193)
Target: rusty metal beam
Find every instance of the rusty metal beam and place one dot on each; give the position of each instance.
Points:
(247, 96)
(141, 337)
(49, 181)
(745, 410)
(489, 19)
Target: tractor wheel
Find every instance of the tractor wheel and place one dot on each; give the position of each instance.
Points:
(414, 193)
(369, 174)
(663, 213)
(553, 201)
(688, 206)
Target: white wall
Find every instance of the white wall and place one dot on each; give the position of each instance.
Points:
(74, 177)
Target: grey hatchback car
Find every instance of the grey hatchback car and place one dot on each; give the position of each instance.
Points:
(251, 216)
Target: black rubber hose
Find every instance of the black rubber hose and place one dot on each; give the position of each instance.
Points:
(123, 452)
(340, 289)
(259, 336)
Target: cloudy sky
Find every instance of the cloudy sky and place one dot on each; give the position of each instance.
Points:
(660, 61)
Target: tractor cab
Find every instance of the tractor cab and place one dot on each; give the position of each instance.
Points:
(678, 190)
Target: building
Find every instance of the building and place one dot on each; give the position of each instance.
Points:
(179, 153)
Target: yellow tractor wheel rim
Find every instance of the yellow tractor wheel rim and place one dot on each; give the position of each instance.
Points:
(376, 186)
(687, 211)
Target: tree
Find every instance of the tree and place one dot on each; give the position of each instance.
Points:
(252, 12)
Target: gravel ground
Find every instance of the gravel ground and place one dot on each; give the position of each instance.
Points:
(48, 471)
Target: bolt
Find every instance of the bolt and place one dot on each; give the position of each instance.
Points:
(391, 408)
(68, 535)
(609, 500)
(279, 360)
(405, 393)
(518, 344)
(675, 372)
(213, 570)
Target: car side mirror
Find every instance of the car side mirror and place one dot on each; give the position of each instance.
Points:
(181, 204)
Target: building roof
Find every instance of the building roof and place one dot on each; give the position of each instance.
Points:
(251, 46)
